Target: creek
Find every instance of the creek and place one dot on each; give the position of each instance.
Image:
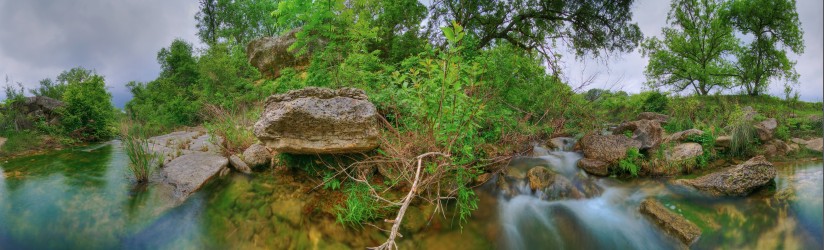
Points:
(83, 198)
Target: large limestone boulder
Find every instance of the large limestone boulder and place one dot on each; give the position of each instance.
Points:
(189, 172)
(179, 143)
(660, 118)
(319, 121)
(648, 132)
(683, 152)
(765, 129)
(682, 135)
(270, 55)
(607, 148)
(257, 155)
(738, 180)
(672, 223)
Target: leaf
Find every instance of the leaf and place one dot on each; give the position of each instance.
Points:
(448, 33)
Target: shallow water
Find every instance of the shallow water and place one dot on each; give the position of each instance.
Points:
(83, 199)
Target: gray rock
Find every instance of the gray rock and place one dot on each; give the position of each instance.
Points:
(594, 167)
(179, 143)
(675, 225)
(33, 109)
(562, 143)
(765, 129)
(257, 155)
(270, 55)
(239, 165)
(723, 141)
(653, 116)
(607, 148)
(189, 172)
(684, 151)
(776, 147)
(815, 144)
(319, 121)
(738, 180)
(682, 135)
(749, 113)
(648, 132)
(799, 141)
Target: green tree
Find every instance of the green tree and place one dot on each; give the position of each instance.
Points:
(178, 63)
(587, 26)
(694, 50)
(55, 89)
(238, 21)
(775, 28)
(88, 113)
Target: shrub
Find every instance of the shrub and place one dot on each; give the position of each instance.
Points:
(655, 102)
(782, 132)
(88, 113)
(630, 163)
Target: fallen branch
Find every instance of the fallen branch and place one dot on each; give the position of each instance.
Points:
(396, 223)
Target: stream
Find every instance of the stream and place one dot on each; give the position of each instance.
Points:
(83, 199)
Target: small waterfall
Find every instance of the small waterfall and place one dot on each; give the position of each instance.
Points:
(538, 220)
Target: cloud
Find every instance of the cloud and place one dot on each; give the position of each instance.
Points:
(119, 39)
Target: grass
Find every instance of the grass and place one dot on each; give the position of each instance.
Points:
(744, 138)
(142, 161)
(233, 126)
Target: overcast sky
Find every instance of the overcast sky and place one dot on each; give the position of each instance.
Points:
(120, 39)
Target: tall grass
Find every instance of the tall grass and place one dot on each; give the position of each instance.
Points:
(142, 160)
(233, 125)
(743, 138)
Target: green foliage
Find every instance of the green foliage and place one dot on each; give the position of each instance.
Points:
(359, 207)
(88, 113)
(232, 125)
(775, 26)
(693, 52)
(225, 77)
(707, 141)
(630, 163)
(142, 160)
(655, 102)
(744, 137)
(782, 132)
(330, 182)
(237, 21)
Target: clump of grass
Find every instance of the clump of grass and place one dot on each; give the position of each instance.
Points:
(743, 138)
(360, 206)
(232, 126)
(142, 160)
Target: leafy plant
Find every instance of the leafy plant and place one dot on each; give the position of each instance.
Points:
(707, 141)
(631, 162)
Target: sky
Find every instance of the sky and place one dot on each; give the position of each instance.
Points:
(120, 40)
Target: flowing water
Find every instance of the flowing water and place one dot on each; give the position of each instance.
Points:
(83, 199)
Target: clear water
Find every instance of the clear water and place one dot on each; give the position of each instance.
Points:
(83, 199)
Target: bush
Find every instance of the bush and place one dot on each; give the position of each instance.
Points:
(655, 102)
(88, 114)
(631, 164)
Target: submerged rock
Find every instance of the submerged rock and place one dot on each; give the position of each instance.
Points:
(239, 165)
(561, 143)
(540, 177)
(660, 118)
(189, 172)
(765, 129)
(270, 55)
(257, 155)
(675, 225)
(594, 167)
(738, 180)
(319, 121)
(648, 132)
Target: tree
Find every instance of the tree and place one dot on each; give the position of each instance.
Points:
(694, 50)
(55, 89)
(238, 21)
(88, 113)
(775, 28)
(178, 63)
(588, 26)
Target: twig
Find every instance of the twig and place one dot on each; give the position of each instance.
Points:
(396, 223)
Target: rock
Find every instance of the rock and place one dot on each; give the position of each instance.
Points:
(723, 141)
(738, 180)
(179, 143)
(607, 148)
(540, 177)
(189, 172)
(815, 144)
(793, 147)
(594, 167)
(675, 225)
(239, 165)
(660, 118)
(684, 151)
(776, 147)
(749, 113)
(257, 155)
(648, 132)
(481, 179)
(270, 55)
(33, 109)
(2, 141)
(560, 188)
(319, 121)
(765, 129)
(288, 210)
(562, 143)
(799, 141)
(683, 135)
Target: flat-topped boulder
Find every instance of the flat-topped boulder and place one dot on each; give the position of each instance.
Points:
(180, 143)
(319, 121)
(648, 132)
(739, 180)
(674, 224)
(189, 172)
